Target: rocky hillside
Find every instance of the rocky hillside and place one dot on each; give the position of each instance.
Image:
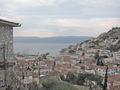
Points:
(109, 40)
(114, 33)
(106, 41)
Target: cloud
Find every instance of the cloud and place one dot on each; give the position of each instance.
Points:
(61, 17)
(34, 33)
(93, 22)
(69, 27)
(61, 8)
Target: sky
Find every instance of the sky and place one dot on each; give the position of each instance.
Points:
(48, 18)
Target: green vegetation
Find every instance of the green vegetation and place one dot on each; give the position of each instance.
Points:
(63, 50)
(114, 48)
(105, 37)
(99, 59)
(44, 56)
(1, 89)
(96, 42)
(105, 81)
(81, 79)
(53, 84)
(71, 51)
(71, 77)
(115, 28)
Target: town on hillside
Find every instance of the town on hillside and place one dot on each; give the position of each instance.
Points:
(93, 64)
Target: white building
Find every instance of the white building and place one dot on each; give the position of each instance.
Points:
(102, 70)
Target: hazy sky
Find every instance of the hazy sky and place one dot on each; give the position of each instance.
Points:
(46, 18)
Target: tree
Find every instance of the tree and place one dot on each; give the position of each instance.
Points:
(80, 61)
(98, 62)
(53, 84)
(95, 78)
(81, 79)
(114, 48)
(62, 77)
(101, 63)
(43, 56)
(83, 54)
(105, 80)
(71, 51)
(90, 85)
(38, 61)
(97, 57)
(54, 64)
(33, 68)
(71, 77)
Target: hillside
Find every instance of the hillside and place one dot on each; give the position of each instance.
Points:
(109, 40)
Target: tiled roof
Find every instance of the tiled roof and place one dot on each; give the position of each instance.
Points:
(114, 78)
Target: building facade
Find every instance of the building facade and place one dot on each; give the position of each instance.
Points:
(6, 50)
(6, 39)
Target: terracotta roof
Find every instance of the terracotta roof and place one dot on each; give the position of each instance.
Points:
(114, 87)
(114, 78)
(118, 67)
(97, 47)
(65, 71)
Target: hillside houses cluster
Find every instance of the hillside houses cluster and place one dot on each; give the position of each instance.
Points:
(85, 61)
(27, 69)
(91, 56)
(81, 61)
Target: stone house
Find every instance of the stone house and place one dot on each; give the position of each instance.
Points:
(6, 47)
(6, 39)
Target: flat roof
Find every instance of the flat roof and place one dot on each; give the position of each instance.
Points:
(10, 23)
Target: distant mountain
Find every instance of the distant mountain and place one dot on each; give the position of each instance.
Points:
(60, 39)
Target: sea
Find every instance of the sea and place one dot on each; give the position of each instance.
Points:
(39, 48)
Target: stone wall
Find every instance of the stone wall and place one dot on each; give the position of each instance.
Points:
(13, 83)
(6, 37)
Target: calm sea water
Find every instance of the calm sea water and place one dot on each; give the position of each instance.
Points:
(35, 48)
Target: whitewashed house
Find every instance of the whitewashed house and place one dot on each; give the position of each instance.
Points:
(102, 70)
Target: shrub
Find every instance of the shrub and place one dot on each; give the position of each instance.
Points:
(53, 84)
(72, 51)
(71, 77)
(114, 48)
(81, 79)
